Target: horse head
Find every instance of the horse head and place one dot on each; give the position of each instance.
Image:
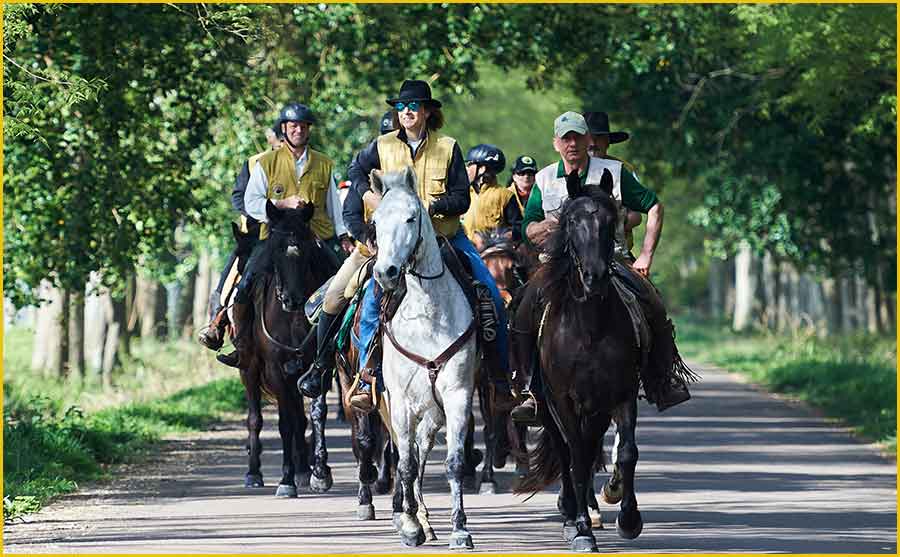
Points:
(292, 246)
(401, 225)
(587, 232)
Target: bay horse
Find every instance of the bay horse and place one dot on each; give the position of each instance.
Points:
(587, 349)
(430, 352)
(281, 342)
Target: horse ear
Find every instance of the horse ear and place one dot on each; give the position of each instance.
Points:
(573, 184)
(375, 182)
(409, 178)
(606, 182)
(307, 211)
(274, 213)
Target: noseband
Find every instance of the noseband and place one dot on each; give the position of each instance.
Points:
(410, 265)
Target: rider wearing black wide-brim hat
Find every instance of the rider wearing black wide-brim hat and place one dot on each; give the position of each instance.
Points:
(443, 186)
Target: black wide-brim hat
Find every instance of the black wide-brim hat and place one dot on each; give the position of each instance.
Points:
(414, 90)
(598, 124)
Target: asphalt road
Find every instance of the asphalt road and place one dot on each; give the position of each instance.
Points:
(733, 470)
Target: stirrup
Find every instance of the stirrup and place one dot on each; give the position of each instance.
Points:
(526, 413)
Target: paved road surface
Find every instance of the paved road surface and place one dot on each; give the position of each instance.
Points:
(734, 470)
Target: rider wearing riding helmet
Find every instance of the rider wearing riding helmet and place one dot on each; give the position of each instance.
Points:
(291, 176)
(492, 206)
(213, 336)
(336, 293)
(522, 179)
(663, 383)
(443, 186)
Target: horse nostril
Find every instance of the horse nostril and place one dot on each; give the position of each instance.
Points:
(392, 272)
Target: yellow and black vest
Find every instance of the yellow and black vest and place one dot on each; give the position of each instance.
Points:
(312, 186)
(515, 192)
(431, 165)
(487, 211)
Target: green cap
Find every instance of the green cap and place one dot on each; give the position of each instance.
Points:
(569, 122)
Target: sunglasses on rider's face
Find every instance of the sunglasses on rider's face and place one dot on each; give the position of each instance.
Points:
(412, 105)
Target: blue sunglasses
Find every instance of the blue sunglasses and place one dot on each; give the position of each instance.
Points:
(412, 105)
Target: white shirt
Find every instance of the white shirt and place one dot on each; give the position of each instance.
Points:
(255, 197)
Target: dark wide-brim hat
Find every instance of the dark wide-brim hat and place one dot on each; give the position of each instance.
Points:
(598, 124)
(414, 90)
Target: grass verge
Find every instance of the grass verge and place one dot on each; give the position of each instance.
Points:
(51, 442)
(852, 378)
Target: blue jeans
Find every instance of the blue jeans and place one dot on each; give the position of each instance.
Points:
(371, 303)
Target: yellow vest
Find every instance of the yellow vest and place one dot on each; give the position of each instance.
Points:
(431, 165)
(488, 213)
(281, 173)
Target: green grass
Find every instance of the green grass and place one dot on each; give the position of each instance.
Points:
(852, 378)
(58, 433)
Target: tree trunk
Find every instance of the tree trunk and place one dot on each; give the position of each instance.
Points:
(76, 334)
(729, 288)
(744, 288)
(202, 288)
(56, 343)
(848, 321)
(770, 290)
(186, 306)
(95, 323)
(44, 327)
(832, 298)
(716, 283)
(147, 307)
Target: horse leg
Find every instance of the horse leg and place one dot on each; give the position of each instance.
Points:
(628, 522)
(611, 493)
(425, 432)
(287, 424)
(364, 447)
(411, 532)
(254, 476)
(458, 409)
(488, 484)
(387, 464)
(472, 456)
(583, 449)
(301, 447)
(321, 480)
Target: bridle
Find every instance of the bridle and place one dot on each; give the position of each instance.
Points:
(410, 265)
(579, 267)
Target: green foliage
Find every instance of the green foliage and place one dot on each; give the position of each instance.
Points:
(852, 378)
(48, 450)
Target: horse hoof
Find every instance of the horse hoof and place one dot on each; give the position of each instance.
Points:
(396, 520)
(383, 487)
(366, 512)
(597, 522)
(630, 533)
(570, 532)
(430, 535)
(286, 491)
(254, 480)
(611, 496)
(488, 488)
(461, 540)
(303, 479)
(413, 540)
(584, 544)
(321, 485)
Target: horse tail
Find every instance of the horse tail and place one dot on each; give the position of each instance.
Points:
(544, 464)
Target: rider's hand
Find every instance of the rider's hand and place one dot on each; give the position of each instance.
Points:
(292, 202)
(642, 265)
(346, 243)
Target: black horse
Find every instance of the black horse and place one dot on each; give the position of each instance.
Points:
(587, 350)
(278, 344)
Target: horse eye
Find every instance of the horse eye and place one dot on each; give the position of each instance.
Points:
(410, 220)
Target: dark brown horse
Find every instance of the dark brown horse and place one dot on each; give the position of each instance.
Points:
(587, 350)
(279, 344)
(369, 436)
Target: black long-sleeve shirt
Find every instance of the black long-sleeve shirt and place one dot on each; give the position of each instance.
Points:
(240, 186)
(513, 216)
(453, 203)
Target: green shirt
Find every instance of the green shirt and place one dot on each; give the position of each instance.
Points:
(634, 196)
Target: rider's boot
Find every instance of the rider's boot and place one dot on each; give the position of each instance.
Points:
(242, 323)
(665, 373)
(213, 336)
(310, 385)
(526, 413)
(362, 398)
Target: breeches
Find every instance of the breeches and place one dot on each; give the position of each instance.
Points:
(345, 283)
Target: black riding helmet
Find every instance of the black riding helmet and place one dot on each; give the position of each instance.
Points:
(295, 112)
(487, 155)
(387, 122)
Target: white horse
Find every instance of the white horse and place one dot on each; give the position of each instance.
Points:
(432, 330)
